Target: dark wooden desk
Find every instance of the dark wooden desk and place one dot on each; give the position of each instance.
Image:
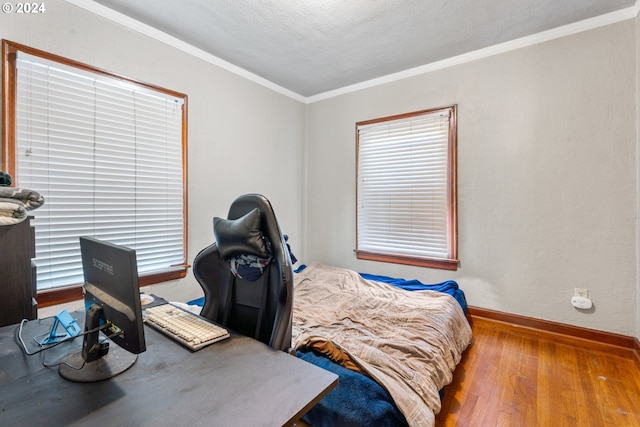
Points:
(237, 382)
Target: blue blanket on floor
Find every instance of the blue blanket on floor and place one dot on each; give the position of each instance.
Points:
(356, 401)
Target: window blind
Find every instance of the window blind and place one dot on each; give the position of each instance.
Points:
(107, 156)
(403, 191)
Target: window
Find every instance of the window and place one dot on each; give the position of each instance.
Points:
(109, 156)
(406, 189)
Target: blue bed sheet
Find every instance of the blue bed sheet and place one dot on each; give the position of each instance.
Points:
(449, 287)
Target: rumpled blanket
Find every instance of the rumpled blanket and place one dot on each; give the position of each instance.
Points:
(408, 341)
(15, 202)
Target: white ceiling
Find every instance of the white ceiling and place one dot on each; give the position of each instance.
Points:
(310, 47)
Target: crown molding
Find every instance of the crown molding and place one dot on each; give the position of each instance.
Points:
(577, 27)
(167, 39)
(555, 33)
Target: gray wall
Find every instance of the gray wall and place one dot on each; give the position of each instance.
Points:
(546, 176)
(243, 137)
(638, 171)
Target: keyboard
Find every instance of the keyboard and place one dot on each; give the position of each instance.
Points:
(185, 327)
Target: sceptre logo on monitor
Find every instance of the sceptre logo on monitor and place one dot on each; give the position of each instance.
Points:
(100, 265)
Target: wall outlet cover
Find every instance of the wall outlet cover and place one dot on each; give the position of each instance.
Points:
(581, 303)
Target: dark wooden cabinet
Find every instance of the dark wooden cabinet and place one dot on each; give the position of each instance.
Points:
(17, 273)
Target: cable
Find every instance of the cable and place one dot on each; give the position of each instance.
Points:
(84, 362)
(70, 338)
(24, 346)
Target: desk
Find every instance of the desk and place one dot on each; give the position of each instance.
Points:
(236, 382)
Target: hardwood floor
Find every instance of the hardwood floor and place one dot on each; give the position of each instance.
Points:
(516, 376)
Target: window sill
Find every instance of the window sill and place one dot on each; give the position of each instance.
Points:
(72, 293)
(443, 264)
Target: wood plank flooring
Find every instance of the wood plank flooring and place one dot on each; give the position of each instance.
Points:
(515, 376)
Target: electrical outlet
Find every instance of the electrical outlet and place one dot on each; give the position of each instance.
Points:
(580, 292)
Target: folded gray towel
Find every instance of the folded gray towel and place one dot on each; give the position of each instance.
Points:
(29, 198)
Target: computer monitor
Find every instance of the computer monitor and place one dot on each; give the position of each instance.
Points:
(112, 305)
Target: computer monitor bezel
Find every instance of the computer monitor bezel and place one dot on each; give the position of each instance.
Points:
(112, 303)
(111, 281)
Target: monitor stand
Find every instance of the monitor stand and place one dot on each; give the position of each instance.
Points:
(113, 363)
(96, 361)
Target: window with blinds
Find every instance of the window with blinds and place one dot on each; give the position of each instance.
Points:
(108, 155)
(406, 189)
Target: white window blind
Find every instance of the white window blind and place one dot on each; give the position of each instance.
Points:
(403, 191)
(107, 156)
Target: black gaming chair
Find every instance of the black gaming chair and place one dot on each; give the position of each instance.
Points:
(260, 308)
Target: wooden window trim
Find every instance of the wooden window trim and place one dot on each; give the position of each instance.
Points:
(452, 229)
(9, 55)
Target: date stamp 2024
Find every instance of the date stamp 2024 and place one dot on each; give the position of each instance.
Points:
(23, 8)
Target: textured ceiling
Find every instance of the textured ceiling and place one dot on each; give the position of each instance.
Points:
(314, 46)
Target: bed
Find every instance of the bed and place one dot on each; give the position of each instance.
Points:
(394, 344)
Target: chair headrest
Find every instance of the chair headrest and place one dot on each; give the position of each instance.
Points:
(241, 236)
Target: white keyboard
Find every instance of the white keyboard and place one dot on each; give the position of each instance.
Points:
(187, 328)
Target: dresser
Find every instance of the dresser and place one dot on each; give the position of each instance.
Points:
(17, 273)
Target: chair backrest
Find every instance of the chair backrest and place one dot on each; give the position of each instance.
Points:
(262, 308)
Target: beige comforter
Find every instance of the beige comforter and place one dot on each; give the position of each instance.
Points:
(408, 341)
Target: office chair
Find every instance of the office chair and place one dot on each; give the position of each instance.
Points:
(259, 307)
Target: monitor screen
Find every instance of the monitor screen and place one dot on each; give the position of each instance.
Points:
(112, 305)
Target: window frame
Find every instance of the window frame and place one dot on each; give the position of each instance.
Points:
(9, 162)
(452, 261)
